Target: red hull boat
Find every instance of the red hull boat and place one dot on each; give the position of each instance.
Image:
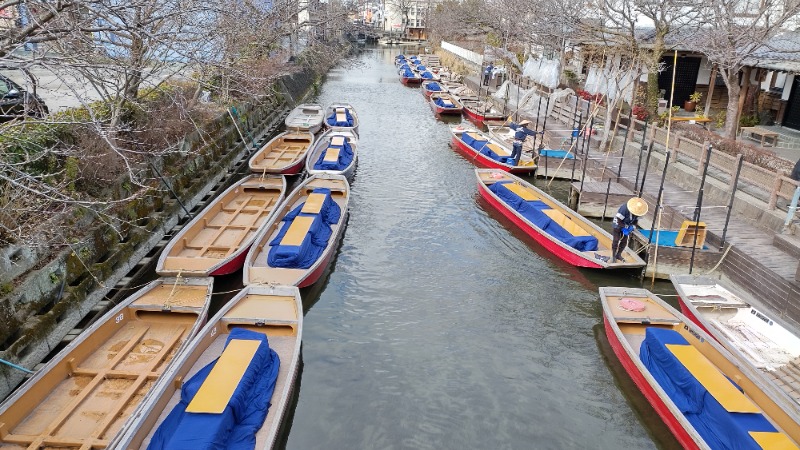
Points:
(526, 165)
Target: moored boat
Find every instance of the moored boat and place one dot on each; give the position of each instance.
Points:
(479, 111)
(708, 397)
(341, 116)
(85, 395)
(431, 86)
(284, 154)
(756, 334)
(484, 151)
(563, 232)
(216, 241)
(335, 152)
(445, 104)
(410, 78)
(306, 117)
(295, 247)
(236, 377)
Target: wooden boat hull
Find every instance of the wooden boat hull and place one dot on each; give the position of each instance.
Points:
(273, 158)
(427, 93)
(276, 311)
(443, 110)
(306, 117)
(320, 146)
(352, 110)
(87, 393)
(256, 268)
(554, 246)
(479, 118)
(216, 241)
(484, 161)
(408, 81)
(657, 313)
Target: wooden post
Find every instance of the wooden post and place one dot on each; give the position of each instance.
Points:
(699, 206)
(711, 83)
(733, 187)
(776, 187)
(703, 156)
(734, 180)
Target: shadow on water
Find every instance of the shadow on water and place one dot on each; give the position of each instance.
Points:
(656, 427)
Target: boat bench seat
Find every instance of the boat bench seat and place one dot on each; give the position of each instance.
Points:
(190, 264)
(313, 203)
(566, 222)
(337, 141)
(340, 117)
(217, 389)
(522, 192)
(297, 231)
(331, 154)
(498, 149)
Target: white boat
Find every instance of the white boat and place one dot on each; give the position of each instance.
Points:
(85, 395)
(335, 152)
(232, 350)
(306, 117)
(756, 334)
(341, 116)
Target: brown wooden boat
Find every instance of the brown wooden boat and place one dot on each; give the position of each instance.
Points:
(216, 241)
(298, 234)
(83, 397)
(284, 154)
(275, 311)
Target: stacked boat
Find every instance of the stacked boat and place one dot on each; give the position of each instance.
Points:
(155, 372)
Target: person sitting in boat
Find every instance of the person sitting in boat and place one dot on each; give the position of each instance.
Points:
(521, 132)
(625, 221)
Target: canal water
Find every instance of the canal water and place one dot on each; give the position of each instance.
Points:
(438, 327)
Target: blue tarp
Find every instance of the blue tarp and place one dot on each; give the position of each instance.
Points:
(348, 123)
(719, 428)
(440, 102)
(236, 427)
(421, 68)
(532, 210)
(344, 160)
(666, 238)
(433, 86)
(427, 75)
(304, 255)
(556, 154)
(482, 148)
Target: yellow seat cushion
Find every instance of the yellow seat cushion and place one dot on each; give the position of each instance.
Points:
(476, 136)
(773, 440)
(340, 117)
(216, 391)
(297, 230)
(712, 379)
(522, 191)
(331, 155)
(499, 150)
(566, 222)
(313, 204)
(337, 140)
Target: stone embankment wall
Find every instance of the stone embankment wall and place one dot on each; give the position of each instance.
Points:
(44, 296)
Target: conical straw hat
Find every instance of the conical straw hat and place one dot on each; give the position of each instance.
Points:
(637, 206)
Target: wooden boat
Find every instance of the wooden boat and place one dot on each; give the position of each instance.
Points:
(409, 78)
(484, 151)
(342, 117)
(275, 311)
(479, 111)
(306, 117)
(431, 86)
(724, 402)
(83, 396)
(445, 104)
(753, 333)
(284, 154)
(216, 241)
(292, 238)
(552, 224)
(335, 152)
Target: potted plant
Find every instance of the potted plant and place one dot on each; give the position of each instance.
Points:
(691, 104)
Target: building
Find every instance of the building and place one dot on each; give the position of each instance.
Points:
(408, 18)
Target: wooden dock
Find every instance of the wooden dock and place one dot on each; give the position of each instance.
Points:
(599, 199)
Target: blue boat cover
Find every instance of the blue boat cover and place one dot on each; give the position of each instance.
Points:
(304, 255)
(236, 427)
(344, 160)
(427, 75)
(482, 148)
(719, 428)
(421, 68)
(666, 238)
(347, 123)
(532, 210)
(556, 154)
(401, 56)
(433, 86)
(440, 102)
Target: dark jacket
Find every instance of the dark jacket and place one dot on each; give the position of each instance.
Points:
(624, 218)
(796, 171)
(521, 132)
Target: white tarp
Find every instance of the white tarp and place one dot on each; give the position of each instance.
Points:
(613, 83)
(542, 70)
(529, 103)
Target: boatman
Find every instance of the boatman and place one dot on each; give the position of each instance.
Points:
(487, 74)
(521, 132)
(625, 222)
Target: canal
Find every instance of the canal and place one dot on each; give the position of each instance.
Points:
(438, 327)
